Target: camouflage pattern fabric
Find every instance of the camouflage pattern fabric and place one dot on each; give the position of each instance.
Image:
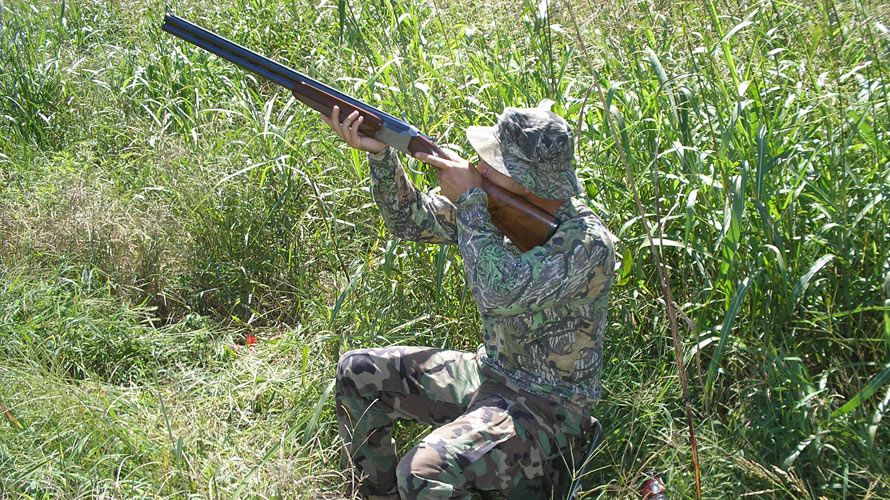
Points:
(543, 311)
(533, 146)
(490, 437)
(407, 212)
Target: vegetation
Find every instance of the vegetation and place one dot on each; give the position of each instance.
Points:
(160, 209)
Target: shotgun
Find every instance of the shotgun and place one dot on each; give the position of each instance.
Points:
(524, 223)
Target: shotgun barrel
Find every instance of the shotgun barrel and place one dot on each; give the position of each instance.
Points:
(387, 128)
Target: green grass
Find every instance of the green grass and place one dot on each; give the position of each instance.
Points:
(158, 205)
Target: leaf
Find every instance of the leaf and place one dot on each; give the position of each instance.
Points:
(738, 204)
(728, 134)
(877, 417)
(732, 217)
(779, 261)
(739, 27)
(770, 225)
(316, 412)
(728, 320)
(887, 283)
(656, 65)
(690, 215)
(664, 242)
(868, 135)
(341, 11)
(441, 260)
(886, 313)
(12, 419)
(390, 255)
(862, 213)
(543, 7)
(626, 263)
(761, 161)
(804, 281)
(698, 348)
(337, 305)
(790, 459)
(873, 385)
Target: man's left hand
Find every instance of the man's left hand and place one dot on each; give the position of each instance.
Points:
(455, 174)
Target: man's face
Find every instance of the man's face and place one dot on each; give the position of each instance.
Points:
(501, 180)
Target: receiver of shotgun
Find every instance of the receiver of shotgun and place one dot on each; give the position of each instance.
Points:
(524, 223)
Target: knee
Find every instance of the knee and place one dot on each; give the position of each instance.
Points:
(425, 472)
(352, 366)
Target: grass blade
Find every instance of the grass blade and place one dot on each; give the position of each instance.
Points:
(316, 412)
(728, 320)
(873, 385)
(335, 311)
(804, 281)
(877, 417)
(761, 161)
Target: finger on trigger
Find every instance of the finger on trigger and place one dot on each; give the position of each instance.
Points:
(438, 162)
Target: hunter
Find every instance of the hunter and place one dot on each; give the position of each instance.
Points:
(512, 415)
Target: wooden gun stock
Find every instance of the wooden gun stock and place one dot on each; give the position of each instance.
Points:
(524, 223)
(324, 103)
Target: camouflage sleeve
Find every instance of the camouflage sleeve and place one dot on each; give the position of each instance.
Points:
(504, 282)
(407, 212)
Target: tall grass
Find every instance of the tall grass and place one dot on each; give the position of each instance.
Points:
(159, 206)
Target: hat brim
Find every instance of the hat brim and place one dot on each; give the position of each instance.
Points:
(555, 185)
(485, 141)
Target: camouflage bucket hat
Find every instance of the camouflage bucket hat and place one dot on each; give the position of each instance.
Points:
(532, 146)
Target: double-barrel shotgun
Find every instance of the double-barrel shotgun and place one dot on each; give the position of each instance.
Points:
(524, 223)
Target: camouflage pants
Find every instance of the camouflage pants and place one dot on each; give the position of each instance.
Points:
(488, 436)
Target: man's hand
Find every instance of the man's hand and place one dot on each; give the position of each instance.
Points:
(455, 174)
(348, 131)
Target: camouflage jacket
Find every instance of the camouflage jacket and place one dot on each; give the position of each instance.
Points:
(543, 311)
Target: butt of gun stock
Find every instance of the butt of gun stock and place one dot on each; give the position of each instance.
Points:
(525, 224)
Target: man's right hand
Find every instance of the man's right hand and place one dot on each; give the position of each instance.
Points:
(348, 131)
